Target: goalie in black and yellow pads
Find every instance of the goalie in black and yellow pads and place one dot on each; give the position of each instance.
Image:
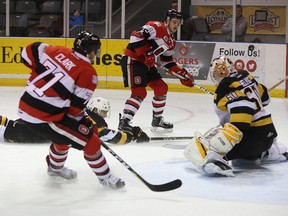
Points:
(247, 133)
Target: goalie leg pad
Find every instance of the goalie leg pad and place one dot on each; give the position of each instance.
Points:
(196, 152)
(225, 139)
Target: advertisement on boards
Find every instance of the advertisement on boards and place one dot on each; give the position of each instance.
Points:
(249, 57)
(14, 72)
(194, 57)
(260, 19)
(267, 62)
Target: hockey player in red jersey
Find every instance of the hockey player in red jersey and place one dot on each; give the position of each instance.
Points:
(138, 66)
(61, 83)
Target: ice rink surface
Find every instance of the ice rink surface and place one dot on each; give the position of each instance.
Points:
(27, 190)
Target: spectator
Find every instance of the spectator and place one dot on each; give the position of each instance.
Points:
(76, 18)
(241, 26)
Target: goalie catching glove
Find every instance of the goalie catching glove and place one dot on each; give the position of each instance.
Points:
(189, 79)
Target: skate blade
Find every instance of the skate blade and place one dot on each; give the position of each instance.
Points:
(213, 170)
(161, 130)
(61, 180)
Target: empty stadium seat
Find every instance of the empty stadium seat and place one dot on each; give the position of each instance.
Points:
(2, 33)
(2, 20)
(94, 10)
(46, 20)
(3, 6)
(51, 7)
(18, 24)
(25, 6)
(74, 5)
(39, 31)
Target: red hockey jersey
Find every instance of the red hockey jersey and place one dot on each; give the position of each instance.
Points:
(61, 83)
(154, 36)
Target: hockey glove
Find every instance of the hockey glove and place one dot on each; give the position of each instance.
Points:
(89, 124)
(189, 78)
(139, 135)
(149, 59)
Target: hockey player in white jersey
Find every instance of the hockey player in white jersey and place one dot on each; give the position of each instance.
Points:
(247, 133)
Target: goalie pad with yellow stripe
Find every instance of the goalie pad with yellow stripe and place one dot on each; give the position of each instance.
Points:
(196, 151)
(222, 140)
(218, 140)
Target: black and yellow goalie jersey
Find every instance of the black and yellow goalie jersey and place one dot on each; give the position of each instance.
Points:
(243, 99)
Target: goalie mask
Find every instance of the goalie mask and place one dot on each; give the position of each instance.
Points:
(221, 67)
(101, 106)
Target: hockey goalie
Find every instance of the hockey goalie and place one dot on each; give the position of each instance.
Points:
(247, 134)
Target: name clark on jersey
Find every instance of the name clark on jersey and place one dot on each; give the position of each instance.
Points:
(65, 61)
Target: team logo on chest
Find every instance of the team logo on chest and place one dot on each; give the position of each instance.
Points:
(169, 41)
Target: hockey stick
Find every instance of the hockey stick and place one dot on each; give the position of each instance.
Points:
(170, 138)
(174, 146)
(278, 83)
(156, 188)
(181, 77)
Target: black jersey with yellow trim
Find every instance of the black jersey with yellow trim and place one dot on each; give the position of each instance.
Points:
(244, 99)
(106, 134)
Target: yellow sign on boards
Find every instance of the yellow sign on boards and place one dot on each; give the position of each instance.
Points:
(14, 72)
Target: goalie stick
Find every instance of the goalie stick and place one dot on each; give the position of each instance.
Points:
(174, 146)
(170, 138)
(156, 188)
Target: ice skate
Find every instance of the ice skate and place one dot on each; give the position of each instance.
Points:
(112, 182)
(159, 125)
(218, 168)
(63, 173)
(124, 125)
(277, 153)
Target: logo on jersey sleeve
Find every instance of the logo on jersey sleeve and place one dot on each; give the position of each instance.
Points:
(137, 79)
(83, 129)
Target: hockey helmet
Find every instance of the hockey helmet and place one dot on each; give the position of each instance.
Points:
(172, 13)
(87, 42)
(100, 105)
(221, 67)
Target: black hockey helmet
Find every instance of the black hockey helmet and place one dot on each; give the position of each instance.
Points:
(87, 42)
(172, 13)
